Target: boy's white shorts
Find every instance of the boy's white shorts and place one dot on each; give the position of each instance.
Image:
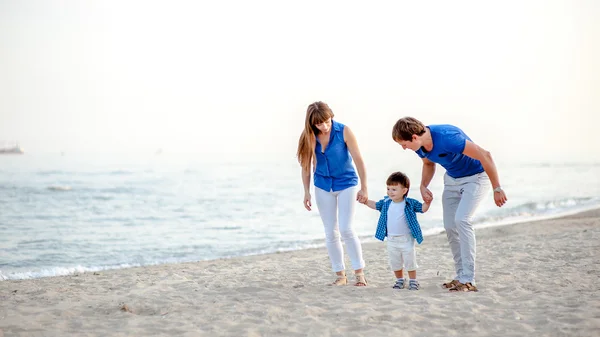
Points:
(401, 251)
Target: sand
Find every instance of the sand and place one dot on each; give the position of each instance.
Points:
(535, 279)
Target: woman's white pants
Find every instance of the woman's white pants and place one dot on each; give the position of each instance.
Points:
(337, 213)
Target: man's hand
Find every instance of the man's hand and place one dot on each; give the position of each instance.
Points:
(500, 198)
(426, 194)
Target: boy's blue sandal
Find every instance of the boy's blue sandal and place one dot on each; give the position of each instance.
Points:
(399, 284)
(413, 285)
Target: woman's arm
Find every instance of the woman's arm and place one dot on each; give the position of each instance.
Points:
(352, 144)
(306, 183)
(485, 157)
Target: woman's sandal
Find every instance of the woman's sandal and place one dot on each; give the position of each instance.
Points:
(463, 287)
(341, 280)
(450, 284)
(361, 281)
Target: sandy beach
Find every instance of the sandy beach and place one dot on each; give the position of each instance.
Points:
(535, 279)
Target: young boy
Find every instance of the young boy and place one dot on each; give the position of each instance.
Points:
(398, 221)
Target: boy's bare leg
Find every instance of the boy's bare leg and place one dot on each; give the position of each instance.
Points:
(399, 273)
(411, 274)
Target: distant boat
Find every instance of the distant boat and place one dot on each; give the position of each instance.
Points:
(11, 149)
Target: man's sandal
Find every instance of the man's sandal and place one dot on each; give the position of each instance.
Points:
(450, 284)
(463, 287)
(361, 281)
(341, 280)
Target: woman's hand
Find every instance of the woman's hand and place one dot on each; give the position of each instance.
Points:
(426, 194)
(307, 203)
(362, 196)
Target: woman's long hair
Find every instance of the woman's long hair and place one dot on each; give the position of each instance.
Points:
(316, 113)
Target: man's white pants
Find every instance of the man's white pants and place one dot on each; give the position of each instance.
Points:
(460, 199)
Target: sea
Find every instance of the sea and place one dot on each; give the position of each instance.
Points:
(65, 213)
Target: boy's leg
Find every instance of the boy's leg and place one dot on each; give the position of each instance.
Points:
(411, 264)
(473, 192)
(450, 202)
(396, 261)
(395, 255)
(410, 258)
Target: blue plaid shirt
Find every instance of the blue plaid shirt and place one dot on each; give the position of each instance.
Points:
(412, 206)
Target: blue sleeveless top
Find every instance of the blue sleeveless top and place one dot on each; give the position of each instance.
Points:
(448, 145)
(335, 171)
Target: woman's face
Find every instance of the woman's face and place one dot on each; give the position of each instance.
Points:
(324, 127)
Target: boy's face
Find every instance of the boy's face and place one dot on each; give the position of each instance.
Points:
(396, 192)
(413, 144)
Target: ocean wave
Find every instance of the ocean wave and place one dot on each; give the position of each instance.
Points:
(53, 172)
(60, 271)
(225, 228)
(557, 165)
(87, 173)
(121, 172)
(115, 190)
(535, 209)
(59, 188)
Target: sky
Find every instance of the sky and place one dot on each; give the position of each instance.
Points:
(233, 78)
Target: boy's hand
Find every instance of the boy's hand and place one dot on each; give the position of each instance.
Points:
(425, 207)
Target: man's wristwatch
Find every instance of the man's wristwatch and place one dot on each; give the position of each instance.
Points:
(498, 189)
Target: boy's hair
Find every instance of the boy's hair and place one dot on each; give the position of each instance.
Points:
(406, 127)
(399, 178)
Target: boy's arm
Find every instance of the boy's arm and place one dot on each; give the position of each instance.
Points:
(420, 207)
(372, 204)
(375, 205)
(425, 206)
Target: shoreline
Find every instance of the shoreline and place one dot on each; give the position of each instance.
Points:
(535, 278)
(365, 239)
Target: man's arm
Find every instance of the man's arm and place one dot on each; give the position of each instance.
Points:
(426, 177)
(485, 157)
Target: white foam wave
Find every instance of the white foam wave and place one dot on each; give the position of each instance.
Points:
(59, 271)
(59, 188)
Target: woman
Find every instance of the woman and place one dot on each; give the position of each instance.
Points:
(469, 171)
(326, 148)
